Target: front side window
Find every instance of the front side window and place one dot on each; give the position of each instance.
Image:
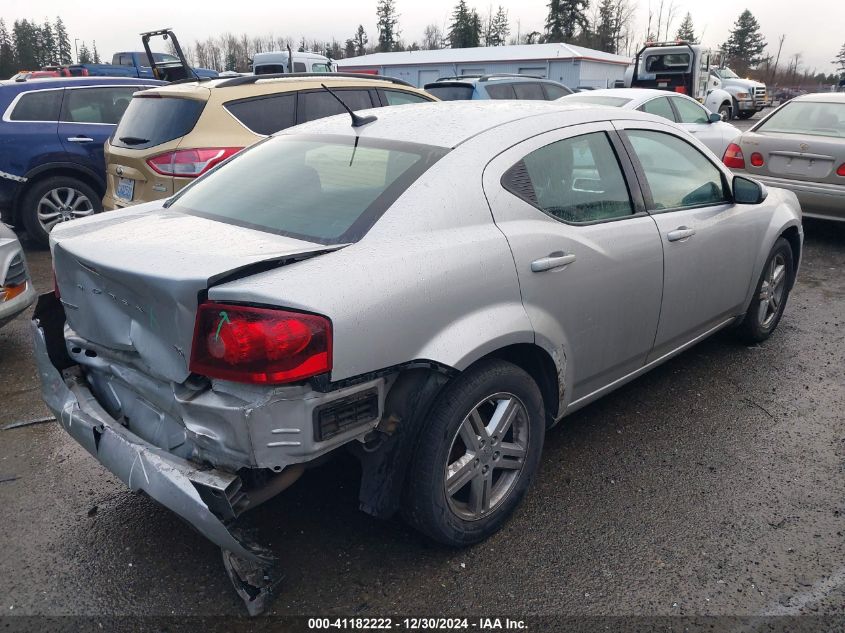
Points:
(576, 180)
(265, 115)
(660, 107)
(690, 112)
(677, 174)
(807, 117)
(320, 68)
(42, 105)
(318, 188)
(316, 105)
(97, 105)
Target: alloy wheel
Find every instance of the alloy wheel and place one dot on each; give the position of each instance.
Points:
(772, 291)
(62, 205)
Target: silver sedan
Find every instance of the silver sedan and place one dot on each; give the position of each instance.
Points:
(431, 289)
(16, 290)
(800, 147)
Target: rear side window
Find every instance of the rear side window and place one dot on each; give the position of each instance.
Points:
(660, 107)
(446, 92)
(151, 121)
(316, 105)
(299, 67)
(97, 105)
(501, 91)
(42, 105)
(395, 97)
(553, 91)
(678, 175)
(318, 188)
(265, 115)
(529, 90)
(576, 180)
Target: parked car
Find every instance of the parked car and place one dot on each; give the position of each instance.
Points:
(707, 126)
(800, 146)
(134, 64)
(176, 133)
(497, 86)
(16, 290)
(52, 132)
(431, 290)
(276, 62)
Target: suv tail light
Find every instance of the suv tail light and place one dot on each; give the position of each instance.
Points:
(733, 157)
(259, 345)
(190, 163)
(841, 170)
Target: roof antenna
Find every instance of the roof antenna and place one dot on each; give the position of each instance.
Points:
(357, 121)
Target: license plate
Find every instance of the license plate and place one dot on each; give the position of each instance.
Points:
(125, 189)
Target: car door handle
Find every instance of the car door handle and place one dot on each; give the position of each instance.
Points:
(553, 260)
(680, 234)
(80, 139)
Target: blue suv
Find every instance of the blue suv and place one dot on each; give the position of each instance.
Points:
(52, 133)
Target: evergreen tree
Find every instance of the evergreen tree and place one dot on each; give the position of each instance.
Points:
(84, 55)
(349, 48)
(606, 29)
(360, 40)
(63, 55)
(25, 42)
(465, 29)
(686, 31)
(565, 18)
(745, 46)
(95, 56)
(499, 28)
(48, 45)
(7, 52)
(388, 34)
(839, 60)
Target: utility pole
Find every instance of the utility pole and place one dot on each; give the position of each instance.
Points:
(76, 48)
(777, 59)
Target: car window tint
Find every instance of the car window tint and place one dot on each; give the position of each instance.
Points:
(574, 180)
(690, 112)
(501, 91)
(316, 105)
(395, 97)
(317, 188)
(677, 173)
(660, 107)
(298, 67)
(265, 115)
(151, 120)
(97, 105)
(529, 90)
(451, 92)
(42, 105)
(553, 91)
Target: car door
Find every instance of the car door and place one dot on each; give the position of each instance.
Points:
(88, 117)
(696, 120)
(706, 239)
(588, 257)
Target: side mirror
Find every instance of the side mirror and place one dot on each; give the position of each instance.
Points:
(716, 117)
(747, 191)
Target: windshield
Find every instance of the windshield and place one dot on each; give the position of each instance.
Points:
(807, 117)
(727, 73)
(318, 188)
(616, 102)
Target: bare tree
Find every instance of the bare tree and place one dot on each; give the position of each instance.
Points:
(432, 37)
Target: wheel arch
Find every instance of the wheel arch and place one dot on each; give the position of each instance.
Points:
(791, 235)
(51, 170)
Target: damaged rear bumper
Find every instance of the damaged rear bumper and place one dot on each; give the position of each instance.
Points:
(175, 483)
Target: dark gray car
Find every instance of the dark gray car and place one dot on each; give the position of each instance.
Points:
(800, 147)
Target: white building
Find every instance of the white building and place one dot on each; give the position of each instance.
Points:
(571, 65)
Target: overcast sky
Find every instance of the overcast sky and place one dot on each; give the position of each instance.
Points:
(812, 27)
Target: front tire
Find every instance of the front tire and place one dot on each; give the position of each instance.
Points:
(477, 454)
(725, 112)
(54, 200)
(770, 294)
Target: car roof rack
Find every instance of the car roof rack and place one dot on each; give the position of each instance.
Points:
(491, 76)
(251, 79)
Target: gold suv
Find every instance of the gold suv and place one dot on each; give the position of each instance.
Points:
(170, 135)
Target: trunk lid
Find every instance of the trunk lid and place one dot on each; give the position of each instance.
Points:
(131, 280)
(795, 157)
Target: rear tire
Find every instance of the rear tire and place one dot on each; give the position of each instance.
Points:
(472, 467)
(54, 200)
(770, 295)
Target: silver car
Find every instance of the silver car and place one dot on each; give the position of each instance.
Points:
(800, 147)
(432, 290)
(16, 290)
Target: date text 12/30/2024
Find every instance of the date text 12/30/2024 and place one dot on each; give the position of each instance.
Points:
(417, 624)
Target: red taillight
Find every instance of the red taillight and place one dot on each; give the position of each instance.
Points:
(733, 157)
(757, 159)
(190, 163)
(841, 170)
(681, 90)
(260, 345)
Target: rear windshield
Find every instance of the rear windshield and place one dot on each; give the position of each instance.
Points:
(153, 120)
(447, 92)
(807, 117)
(317, 188)
(616, 102)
